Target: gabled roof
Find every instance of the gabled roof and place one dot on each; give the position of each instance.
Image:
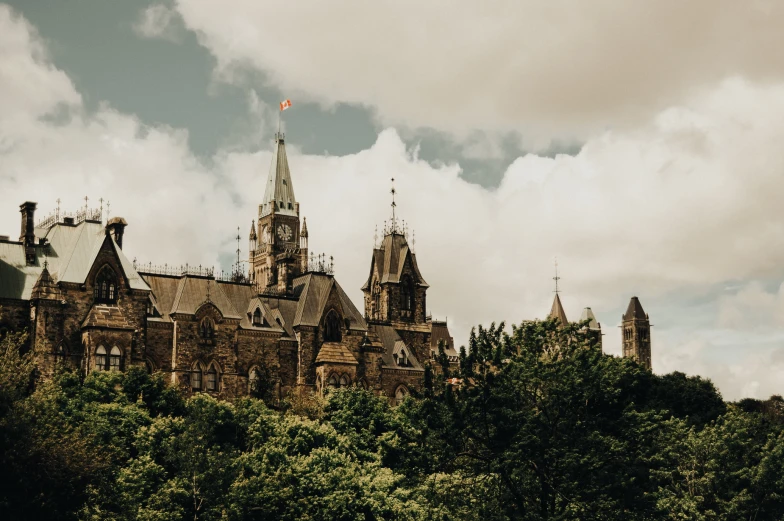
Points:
(588, 315)
(557, 311)
(70, 254)
(393, 344)
(279, 192)
(635, 311)
(312, 291)
(193, 292)
(389, 260)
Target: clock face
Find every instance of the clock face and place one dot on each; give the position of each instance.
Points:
(284, 232)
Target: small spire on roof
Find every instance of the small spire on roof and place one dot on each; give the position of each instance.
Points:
(556, 278)
(304, 232)
(252, 231)
(393, 225)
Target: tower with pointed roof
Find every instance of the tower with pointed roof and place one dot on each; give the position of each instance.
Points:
(557, 310)
(594, 328)
(636, 333)
(277, 257)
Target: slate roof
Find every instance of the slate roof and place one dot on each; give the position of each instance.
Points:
(335, 353)
(185, 294)
(279, 191)
(635, 311)
(393, 344)
(106, 316)
(557, 311)
(388, 261)
(312, 291)
(439, 331)
(70, 254)
(588, 315)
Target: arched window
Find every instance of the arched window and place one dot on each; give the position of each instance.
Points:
(344, 381)
(207, 328)
(333, 381)
(212, 378)
(196, 378)
(332, 331)
(400, 394)
(257, 317)
(254, 379)
(376, 300)
(105, 290)
(402, 358)
(100, 359)
(115, 356)
(362, 384)
(407, 294)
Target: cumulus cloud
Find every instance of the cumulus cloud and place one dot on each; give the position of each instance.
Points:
(681, 202)
(544, 69)
(159, 21)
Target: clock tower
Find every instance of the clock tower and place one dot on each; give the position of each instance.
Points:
(279, 255)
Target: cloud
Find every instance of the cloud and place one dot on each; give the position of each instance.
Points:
(552, 69)
(30, 85)
(159, 22)
(682, 202)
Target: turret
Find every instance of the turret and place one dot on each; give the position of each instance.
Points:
(27, 236)
(636, 333)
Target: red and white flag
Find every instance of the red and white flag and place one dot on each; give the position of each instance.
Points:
(285, 104)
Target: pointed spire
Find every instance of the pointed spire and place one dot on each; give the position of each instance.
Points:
(588, 315)
(635, 311)
(45, 287)
(252, 231)
(557, 311)
(304, 232)
(393, 225)
(279, 191)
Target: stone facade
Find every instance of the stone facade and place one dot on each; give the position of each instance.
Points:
(286, 325)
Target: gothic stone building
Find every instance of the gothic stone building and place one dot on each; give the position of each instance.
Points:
(288, 324)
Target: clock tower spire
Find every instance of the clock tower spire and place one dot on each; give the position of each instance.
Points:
(277, 258)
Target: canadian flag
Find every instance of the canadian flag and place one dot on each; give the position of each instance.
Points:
(285, 104)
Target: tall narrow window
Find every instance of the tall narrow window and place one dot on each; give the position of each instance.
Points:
(100, 358)
(114, 359)
(344, 381)
(332, 332)
(212, 379)
(407, 294)
(196, 378)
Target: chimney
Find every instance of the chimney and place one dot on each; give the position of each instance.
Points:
(27, 237)
(116, 228)
(28, 227)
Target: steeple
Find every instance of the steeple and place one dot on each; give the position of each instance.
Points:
(594, 329)
(557, 311)
(279, 192)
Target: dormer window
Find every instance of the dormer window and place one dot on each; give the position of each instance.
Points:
(257, 317)
(105, 290)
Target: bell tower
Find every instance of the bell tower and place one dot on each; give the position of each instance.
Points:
(636, 333)
(277, 258)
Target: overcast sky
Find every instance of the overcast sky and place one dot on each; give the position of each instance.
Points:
(640, 143)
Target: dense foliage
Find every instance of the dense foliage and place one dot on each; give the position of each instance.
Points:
(537, 424)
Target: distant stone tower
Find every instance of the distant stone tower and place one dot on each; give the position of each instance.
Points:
(594, 329)
(637, 333)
